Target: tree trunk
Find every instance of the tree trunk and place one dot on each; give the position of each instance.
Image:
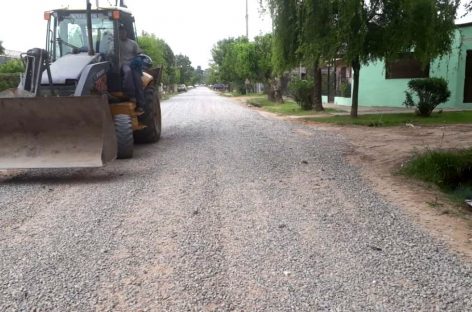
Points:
(317, 97)
(270, 91)
(278, 90)
(274, 93)
(356, 66)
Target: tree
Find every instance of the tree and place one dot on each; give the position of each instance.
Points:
(226, 59)
(241, 62)
(286, 37)
(380, 29)
(183, 64)
(12, 67)
(318, 40)
(2, 49)
(198, 75)
(360, 31)
(304, 32)
(160, 53)
(264, 67)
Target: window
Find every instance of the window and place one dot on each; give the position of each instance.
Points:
(72, 33)
(405, 66)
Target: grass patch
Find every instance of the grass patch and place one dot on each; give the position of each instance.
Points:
(451, 171)
(387, 120)
(289, 107)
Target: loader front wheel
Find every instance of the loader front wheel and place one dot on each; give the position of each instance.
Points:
(124, 136)
(151, 118)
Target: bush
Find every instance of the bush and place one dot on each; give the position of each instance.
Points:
(447, 169)
(430, 93)
(302, 92)
(8, 81)
(11, 67)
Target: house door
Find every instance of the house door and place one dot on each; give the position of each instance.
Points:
(468, 78)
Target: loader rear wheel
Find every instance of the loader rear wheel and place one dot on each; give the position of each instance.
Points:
(151, 118)
(124, 136)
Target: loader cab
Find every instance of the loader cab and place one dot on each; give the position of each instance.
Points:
(67, 35)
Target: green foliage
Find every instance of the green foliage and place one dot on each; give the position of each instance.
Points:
(302, 92)
(370, 30)
(2, 49)
(430, 92)
(263, 54)
(359, 31)
(185, 68)
(8, 81)
(160, 53)
(11, 67)
(198, 75)
(9, 74)
(238, 60)
(287, 24)
(344, 90)
(449, 170)
(225, 57)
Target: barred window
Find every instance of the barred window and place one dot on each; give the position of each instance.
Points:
(405, 66)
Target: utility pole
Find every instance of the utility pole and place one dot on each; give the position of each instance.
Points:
(247, 21)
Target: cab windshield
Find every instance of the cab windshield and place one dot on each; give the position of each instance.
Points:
(72, 34)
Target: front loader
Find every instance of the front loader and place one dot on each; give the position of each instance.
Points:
(69, 109)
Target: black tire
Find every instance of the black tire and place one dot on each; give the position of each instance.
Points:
(124, 136)
(151, 118)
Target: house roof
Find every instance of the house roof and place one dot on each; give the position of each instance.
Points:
(464, 24)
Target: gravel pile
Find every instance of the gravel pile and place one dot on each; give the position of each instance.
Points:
(231, 211)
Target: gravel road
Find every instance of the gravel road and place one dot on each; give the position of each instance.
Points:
(230, 211)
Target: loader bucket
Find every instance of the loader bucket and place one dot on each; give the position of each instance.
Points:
(56, 132)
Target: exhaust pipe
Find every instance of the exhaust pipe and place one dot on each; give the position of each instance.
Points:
(91, 51)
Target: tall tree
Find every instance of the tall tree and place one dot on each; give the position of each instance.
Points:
(184, 66)
(225, 57)
(264, 68)
(160, 53)
(304, 32)
(198, 75)
(360, 31)
(380, 29)
(287, 24)
(318, 40)
(2, 49)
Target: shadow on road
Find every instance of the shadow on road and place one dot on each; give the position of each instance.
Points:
(67, 176)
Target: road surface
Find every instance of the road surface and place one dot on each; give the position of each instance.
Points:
(231, 211)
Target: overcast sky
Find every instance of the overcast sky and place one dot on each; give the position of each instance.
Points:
(190, 27)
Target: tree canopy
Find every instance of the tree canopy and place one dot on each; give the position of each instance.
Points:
(184, 66)
(238, 61)
(359, 31)
(160, 53)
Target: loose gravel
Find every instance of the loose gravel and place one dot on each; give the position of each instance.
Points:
(230, 211)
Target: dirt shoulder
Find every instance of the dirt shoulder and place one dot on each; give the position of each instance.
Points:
(380, 152)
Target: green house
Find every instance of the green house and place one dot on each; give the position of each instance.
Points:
(384, 84)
